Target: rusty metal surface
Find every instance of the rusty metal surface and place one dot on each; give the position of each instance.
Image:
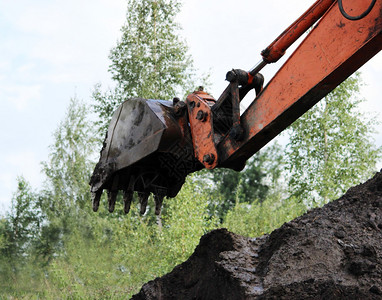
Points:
(148, 149)
(202, 130)
(278, 47)
(134, 132)
(152, 145)
(332, 51)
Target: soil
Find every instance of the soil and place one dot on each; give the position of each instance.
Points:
(333, 252)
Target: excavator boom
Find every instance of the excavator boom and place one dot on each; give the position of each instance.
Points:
(152, 145)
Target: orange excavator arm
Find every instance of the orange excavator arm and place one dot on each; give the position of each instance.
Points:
(152, 145)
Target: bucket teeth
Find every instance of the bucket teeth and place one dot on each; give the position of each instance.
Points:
(112, 196)
(158, 204)
(143, 199)
(96, 198)
(127, 198)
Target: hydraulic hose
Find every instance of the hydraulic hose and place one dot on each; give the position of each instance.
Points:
(355, 18)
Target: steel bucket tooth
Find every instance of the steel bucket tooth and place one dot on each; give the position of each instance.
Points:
(148, 147)
(112, 197)
(127, 199)
(96, 196)
(143, 200)
(158, 203)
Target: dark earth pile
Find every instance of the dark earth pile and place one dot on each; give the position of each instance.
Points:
(334, 252)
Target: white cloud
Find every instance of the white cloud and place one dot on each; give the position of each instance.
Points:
(7, 180)
(67, 42)
(26, 164)
(26, 69)
(21, 96)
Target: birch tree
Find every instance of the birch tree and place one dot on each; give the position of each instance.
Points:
(331, 146)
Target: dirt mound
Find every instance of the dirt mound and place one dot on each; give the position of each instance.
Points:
(334, 252)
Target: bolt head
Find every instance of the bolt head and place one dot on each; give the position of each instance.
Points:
(209, 158)
(201, 115)
(231, 76)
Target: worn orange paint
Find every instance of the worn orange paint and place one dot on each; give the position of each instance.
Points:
(332, 51)
(201, 126)
(277, 49)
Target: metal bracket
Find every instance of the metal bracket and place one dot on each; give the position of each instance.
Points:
(201, 123)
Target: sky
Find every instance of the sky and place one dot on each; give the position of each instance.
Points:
(51, 51)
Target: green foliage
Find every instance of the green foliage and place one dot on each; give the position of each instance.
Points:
(21, 226)
(185, 221)
(4, 239)
(89, 268)
(257, 218)
(105, 103)
(255, 182)
(79, 254)
(69, 166)
(124, 253)
(330, 146)
(149, 61)
(66, 196)
(19, 232)
(52, 246)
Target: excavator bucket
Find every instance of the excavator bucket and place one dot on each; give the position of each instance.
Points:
(147, 149)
